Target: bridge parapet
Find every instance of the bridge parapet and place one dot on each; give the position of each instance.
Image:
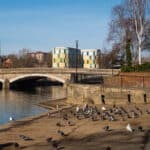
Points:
(61, 75)
(62, 71)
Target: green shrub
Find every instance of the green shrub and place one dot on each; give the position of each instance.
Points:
(138, 68)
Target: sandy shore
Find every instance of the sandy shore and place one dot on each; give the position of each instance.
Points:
(84, 134)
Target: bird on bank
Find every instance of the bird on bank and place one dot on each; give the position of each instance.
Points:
(11, 119)
(129, 128)
(26, 138)
(106, 128)
(140, 128)
(61, 133)
(55, 144)
(65, 117)
(49, 139)
(58, 124)
(103, 108)
(148, 111)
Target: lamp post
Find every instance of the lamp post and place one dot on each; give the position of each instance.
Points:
(100, 60)
(76, 77)
(0, 55)
(112, 63)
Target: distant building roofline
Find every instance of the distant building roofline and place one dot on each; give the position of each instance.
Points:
(65, 47)
(90, 49)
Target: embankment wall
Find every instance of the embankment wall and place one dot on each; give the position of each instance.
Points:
(116, 90)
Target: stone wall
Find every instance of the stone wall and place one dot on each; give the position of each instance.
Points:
(79, 94)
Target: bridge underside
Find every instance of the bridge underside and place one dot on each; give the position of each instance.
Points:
(1, 85)
(32, 81)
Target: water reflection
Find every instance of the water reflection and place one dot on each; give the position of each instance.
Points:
(20, 104)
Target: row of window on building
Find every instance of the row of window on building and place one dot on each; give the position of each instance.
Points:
(66, 57)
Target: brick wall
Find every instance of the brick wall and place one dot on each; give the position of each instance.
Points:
(129, 80)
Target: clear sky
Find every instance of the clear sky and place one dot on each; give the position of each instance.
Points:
(44, 24)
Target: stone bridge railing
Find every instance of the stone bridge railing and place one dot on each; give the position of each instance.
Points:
(59, 70)
(10, 75)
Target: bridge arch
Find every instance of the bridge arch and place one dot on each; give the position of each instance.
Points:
(50, 76)
(1, 80)
(1, 83)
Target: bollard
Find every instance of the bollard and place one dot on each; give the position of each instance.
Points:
(145, 98)
(103, 99)
(129, 98)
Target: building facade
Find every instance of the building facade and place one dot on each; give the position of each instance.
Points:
(66, 57)
(91, 58)
(39, 56)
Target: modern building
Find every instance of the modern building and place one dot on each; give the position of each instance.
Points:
(66, 57)
(91, 58)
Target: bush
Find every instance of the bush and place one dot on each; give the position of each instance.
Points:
(138, 68)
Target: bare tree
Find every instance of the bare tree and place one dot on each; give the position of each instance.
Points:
(121, 29)
(48, 59)
(130, 22)
(138, 9)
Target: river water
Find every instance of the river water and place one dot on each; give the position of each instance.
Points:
(21, 104)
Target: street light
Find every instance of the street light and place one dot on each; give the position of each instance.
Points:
(76, 77)
(0, 55)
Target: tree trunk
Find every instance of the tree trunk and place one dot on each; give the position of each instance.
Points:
(140, 61)
(140, 50)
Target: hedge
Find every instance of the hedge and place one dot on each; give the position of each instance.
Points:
(137, 68)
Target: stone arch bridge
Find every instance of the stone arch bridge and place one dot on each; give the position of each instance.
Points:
(11, 75)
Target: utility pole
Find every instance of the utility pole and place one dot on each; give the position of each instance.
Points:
(76, 75)
(0, 55)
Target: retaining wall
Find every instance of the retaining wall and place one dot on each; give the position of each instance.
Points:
(79, 94)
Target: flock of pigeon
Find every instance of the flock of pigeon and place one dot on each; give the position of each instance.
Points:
(113, 113)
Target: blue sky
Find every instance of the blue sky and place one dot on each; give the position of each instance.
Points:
(44, 24)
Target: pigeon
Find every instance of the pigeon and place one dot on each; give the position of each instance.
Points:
(58, 124)
(61, 133)
(9, 144)
(65, 117)
(77, 109)
(128, 127)
(26, 138)
(148, 112)
(55, 144)
(106, 128)
(49, 139)
(140, 128)
(103, 108)
(11, 119)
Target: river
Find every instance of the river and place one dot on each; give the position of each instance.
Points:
(21, 104)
